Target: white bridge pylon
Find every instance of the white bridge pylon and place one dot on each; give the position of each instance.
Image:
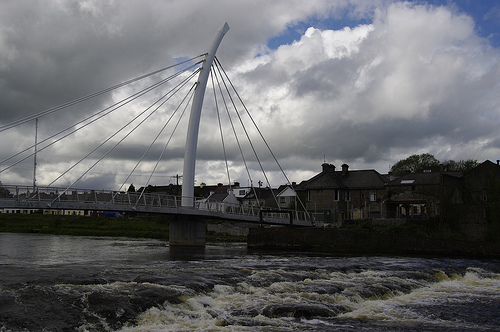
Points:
(194, 121)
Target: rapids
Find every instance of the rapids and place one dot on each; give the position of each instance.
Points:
(64, 283)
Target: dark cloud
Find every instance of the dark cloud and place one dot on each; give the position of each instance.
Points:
(409, 79)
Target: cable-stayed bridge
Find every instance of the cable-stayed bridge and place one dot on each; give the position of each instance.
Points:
(23, 197)
(185, 87)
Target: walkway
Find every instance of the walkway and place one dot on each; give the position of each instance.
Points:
(48, 198)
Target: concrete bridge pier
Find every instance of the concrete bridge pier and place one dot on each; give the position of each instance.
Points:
(187, 231)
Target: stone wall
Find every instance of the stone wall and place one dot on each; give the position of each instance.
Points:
(364, 242)
(232, 229)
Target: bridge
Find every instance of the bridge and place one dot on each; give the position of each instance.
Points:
(190, 212)
(54, 198)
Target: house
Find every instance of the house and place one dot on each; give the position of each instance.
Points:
(218, 201)
(260, 197)
(334, 196)
(241, 192)
(287, 197)
(482, 183)
(171, 189)
(425, 194)
(204, 190)
(67, 212)
(481, 195)
(15, 210)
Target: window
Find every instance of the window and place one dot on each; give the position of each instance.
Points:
(282, 199)
(484, 196)
(373, 195)
(308, 195)
(347, 196)
(336, 195)
(241, 192)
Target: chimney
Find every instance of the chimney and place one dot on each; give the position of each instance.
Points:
(345, 169)
(328, 168)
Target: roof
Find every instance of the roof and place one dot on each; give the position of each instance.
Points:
(262, 193)
(217, 197)
(484, 167)
(285, 190)
(430, 178)
(413, 179)
(324, 180)
(364, 179)
(358, 179)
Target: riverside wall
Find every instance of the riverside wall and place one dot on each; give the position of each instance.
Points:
(339, 241)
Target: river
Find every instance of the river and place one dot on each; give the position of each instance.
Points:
(65, 283)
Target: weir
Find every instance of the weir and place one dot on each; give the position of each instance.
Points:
(191, 231)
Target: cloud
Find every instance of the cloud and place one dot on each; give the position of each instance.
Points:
(416, 76)
(400, 79)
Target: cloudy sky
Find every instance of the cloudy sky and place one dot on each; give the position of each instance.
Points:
(361, 82)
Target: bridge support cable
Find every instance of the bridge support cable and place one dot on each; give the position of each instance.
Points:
(170, 138)
(89, 96)
(127, 135)
(95, 117)
(248, 136)
(154, 141)
(171, 92)
(220, 129)
(235, 135)
(259, 131)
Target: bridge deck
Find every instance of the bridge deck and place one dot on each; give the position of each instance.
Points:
(24, 197)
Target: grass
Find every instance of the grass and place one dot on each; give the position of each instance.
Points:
(142, 226)
(156, 227)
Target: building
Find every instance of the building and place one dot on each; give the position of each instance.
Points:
(482, 183)
(67, 212)
(335, 196)
(425, 194)
(260, 197)
(481, 200)
(287, 197)
(15, 210)
(218, 201)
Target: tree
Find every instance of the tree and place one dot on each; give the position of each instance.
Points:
(461, 165)
(131, 189)
(414, 163)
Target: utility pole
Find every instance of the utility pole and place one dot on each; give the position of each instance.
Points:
(177, 176)
(34, 156)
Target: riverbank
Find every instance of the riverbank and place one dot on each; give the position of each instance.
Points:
(141, 226)
(417, 238)
(356, 241)
(146, 227)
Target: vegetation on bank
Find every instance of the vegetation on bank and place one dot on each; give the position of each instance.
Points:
(155, 227)
(141, 226)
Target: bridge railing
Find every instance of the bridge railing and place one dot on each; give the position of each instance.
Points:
(249, 210)
(51, 195)
(55, 194)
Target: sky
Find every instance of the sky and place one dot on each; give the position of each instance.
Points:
(359, 82)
